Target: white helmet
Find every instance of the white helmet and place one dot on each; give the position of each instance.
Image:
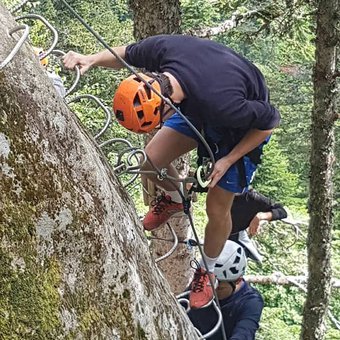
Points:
(232, 262)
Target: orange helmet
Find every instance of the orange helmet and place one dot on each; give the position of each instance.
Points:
(137, 107)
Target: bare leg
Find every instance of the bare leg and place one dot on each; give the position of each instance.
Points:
(219, 202)
(165, 147)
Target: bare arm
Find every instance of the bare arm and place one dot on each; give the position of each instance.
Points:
(103, 59)
(270, 211)
(250, 141)
(255, 223)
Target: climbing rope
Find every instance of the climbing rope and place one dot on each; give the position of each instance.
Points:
(190, 242)
(129, 160)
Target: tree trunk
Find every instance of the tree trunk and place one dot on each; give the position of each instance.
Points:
(322, 158)
(176, 268)
(74, 262)
(155, 17)
(151, 18)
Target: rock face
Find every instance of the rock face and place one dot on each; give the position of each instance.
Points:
(74, 262)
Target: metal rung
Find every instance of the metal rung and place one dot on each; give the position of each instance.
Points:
(100, 104)
(48, 25)
(18, 45)
(170, 252)
(182, 298)
(77, 70)
(122, 167)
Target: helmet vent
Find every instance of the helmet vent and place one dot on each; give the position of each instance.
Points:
(233, 270)
(148, 92)
(140, 114)
(155, 112)
(136, 101)
(120, 115)
(237, 259)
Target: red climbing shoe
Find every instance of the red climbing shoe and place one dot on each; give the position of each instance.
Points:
(162, 209)
(202, 294)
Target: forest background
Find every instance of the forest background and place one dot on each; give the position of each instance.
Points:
(284, 51)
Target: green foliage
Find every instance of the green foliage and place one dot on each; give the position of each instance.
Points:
(198, 14)
(273, 327)
(273, 178)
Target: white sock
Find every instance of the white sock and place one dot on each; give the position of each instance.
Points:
(175, 196)
(211, 261)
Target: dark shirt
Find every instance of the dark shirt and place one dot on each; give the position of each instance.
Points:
(247, 205)
(223, 89)
(241, 314)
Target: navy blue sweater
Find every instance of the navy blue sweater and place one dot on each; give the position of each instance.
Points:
(222, 88)
(241, 315)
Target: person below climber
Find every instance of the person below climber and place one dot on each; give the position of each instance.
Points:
(223, 94)
(55, 78)
(248, 212)
(241, 305)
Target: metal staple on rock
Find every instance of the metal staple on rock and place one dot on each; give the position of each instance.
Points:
(48, 25)
(18, 44)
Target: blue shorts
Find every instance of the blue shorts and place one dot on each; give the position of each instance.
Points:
(231, 180)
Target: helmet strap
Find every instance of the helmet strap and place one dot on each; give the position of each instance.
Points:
(233, 285)
(165, 87)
